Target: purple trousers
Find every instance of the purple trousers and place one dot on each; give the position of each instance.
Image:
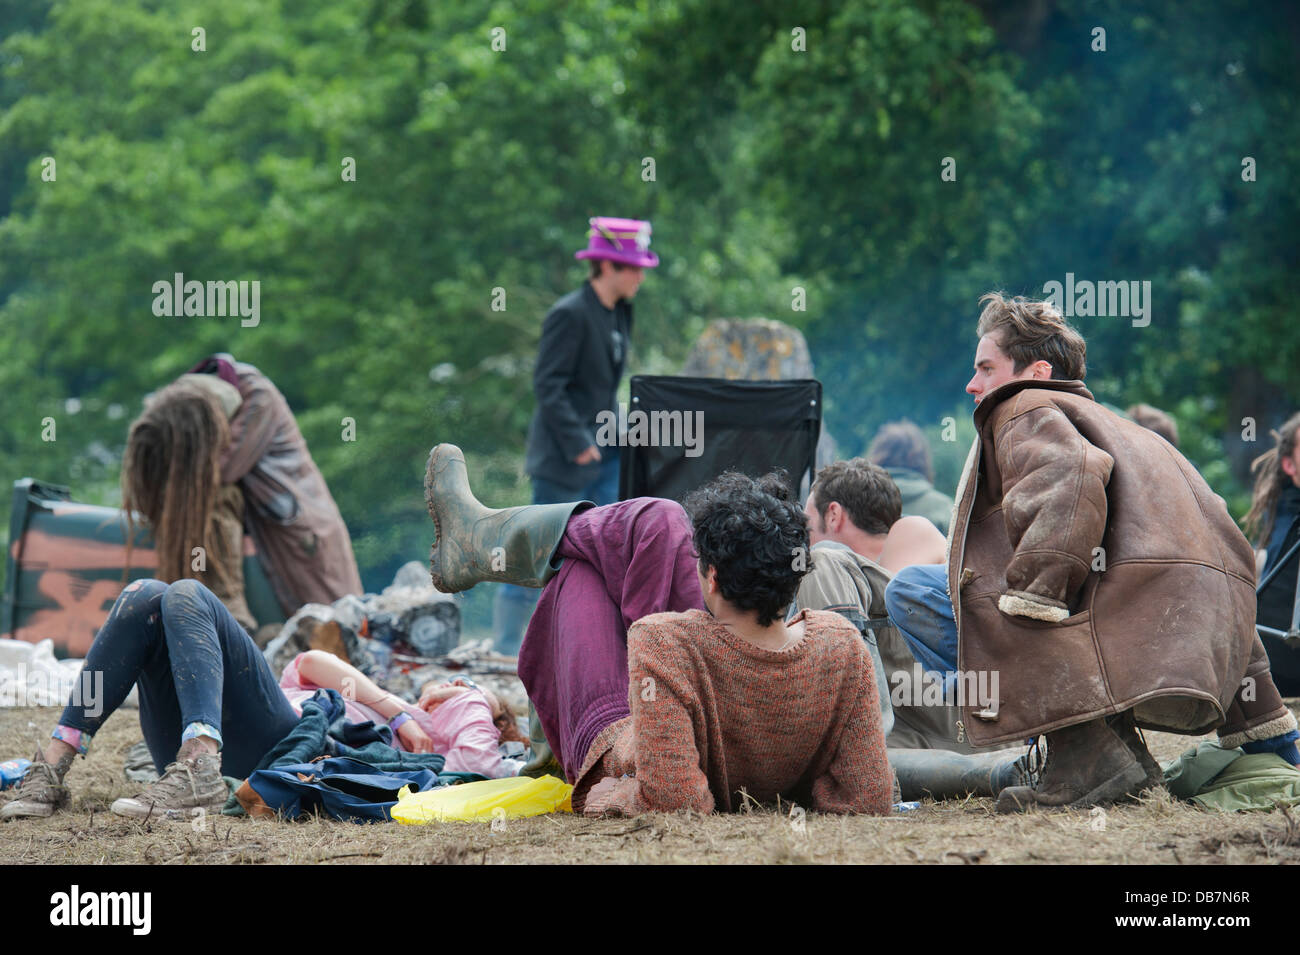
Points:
(621, 562)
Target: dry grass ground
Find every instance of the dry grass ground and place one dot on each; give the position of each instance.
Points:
(1156, 831)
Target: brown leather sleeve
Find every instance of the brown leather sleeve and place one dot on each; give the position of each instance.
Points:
(1257, 711)
(252, 430)
(1053, 502)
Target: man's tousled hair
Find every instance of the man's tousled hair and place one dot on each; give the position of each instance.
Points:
(867, 493)
(1028, 331)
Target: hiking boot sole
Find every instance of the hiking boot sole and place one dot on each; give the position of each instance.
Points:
(21, 810)
(135, 809)
(435, 562)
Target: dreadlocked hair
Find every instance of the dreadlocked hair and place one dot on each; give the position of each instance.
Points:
(170, 473)
(1270, 479)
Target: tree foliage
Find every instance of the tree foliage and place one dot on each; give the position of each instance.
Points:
(774, 167)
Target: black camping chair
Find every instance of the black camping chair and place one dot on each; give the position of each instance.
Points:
(747, 426)
(1292, 636)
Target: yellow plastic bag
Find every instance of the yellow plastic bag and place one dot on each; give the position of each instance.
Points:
(514, 797)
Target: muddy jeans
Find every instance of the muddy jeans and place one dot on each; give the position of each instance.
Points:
(193, 663)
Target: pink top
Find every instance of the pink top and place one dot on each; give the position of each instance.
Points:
(461, 728)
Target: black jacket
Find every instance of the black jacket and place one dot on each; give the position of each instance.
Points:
(580, 361)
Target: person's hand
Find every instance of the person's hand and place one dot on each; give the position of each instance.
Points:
(415, 739)
(599, 797)
(589, 456)
(436, 693)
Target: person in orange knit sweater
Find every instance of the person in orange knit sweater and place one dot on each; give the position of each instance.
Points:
(696, 708)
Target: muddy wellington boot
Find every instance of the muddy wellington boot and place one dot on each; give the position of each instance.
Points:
(1088, 764)
(941, 774)
(475, 543)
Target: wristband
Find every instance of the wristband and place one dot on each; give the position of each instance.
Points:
(396, 722)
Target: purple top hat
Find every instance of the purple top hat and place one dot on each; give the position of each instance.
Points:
(619, 240)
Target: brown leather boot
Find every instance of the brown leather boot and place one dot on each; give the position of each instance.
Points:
(475, 543)
(1087, 765)
(1125, 727)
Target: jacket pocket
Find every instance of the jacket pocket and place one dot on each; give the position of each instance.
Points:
(1029, 623)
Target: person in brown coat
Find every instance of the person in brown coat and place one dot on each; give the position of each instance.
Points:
(1094, 570)
(216, 452)
(300, 535)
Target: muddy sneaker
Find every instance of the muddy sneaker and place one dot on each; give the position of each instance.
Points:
(188, 784)
(41, 791)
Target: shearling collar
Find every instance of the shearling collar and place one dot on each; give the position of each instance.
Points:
(1003, 392)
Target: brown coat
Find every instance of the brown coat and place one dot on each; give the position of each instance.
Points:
(1093, 568)
(301, 538)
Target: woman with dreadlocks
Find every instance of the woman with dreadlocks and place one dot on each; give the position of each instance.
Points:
(1273, 524)
(171, 477)
(219, 450)
(205, 444)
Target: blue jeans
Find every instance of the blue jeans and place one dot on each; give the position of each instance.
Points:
(513, 606)
(193, 663)
(918, 604)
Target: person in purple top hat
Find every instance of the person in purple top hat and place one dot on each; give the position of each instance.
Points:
(580, 362)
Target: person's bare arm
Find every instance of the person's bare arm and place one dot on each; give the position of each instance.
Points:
(325, 670)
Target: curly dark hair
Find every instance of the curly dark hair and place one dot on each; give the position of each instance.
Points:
(755, 536)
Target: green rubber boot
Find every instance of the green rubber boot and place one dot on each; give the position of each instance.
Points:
(941, 774)
(475, 543)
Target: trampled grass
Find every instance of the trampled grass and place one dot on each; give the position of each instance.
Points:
(1158, 830)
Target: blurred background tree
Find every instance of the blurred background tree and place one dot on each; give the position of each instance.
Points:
(791, 145)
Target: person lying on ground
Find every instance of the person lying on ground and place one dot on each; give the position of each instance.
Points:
(219, 450)
(659, 662)
(860, 538)
(1095, 572)
(208, 702)
(458, 719)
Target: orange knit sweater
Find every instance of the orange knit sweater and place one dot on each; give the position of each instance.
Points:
(713, 715)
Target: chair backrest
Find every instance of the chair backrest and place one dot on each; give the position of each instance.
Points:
(681, 432)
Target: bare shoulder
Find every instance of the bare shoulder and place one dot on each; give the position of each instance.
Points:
(911, 528)
(912, 540)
